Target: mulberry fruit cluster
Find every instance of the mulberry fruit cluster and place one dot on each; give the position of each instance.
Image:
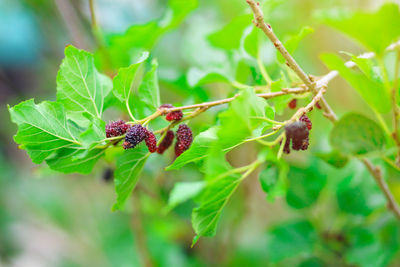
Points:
(136, 134)
(116, 128)
(297, 133)
(174, 115)
(184, 138)
(166, 142)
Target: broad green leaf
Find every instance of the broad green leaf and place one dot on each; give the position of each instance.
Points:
(367, 84)
(127, 173)
(197, 77)
(305, 184)
(42, 128)
(290, 240)
(127, 78)
(251, 41)
(183, 191)
(149, 92)
(95, 133)
(70, 160)
(357, 135)
(374, 30)
(334, 158)
(198, 150)
(357, 195)
(369, 249)
(228, 38)
(80, 87)
(144, 37)
(220, 187)
(312, 262)
(293, 41)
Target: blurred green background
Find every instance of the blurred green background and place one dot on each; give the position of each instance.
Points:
(328, 217)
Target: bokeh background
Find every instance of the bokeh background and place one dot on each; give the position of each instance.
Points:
(50, 219)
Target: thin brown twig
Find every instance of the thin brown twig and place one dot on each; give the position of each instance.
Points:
(328, 112)
(291, 62)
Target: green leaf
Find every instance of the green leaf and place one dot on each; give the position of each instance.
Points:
(367, 84)
(290, 240)
(95, 133)
(375, 36)
(305, 184)
(218, 191)
(69, 160)
(127, 78)
(312, 262)
(80, 87)
(357, 135)
(127, 173)
(197, 77)
(149, 92)
(183, 191)
(251, 41)
(228, 38)
(198, 150)
(334, 158)
(144, 37)
(42, 128)
(293, 41)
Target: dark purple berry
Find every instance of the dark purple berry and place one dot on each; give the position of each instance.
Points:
(298, 133)
(306, 120)
(151, 141)
(166, 142)
(184, 138)
(292, 104)
(286, 148)
(174, 115)
(136, 134)
(116, 128)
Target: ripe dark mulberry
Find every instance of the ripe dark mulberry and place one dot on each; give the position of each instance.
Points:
(184, 138)
(306, 120)
(286, 148)
(298, 133)
(136, 134)
(151, 141)
(292, 104)
(116, 128)
(174, 115)
(166, 142)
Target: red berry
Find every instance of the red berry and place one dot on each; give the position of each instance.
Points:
(136, 134)
(318, 105)
(116, 128)
(151, 141)
(306, 120)
(166, 142)
(174, 115)
(292, 104)
(184, 138)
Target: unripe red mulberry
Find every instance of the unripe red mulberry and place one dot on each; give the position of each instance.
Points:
(174, 115)
(293, 103)
(318, 105)
(306, 120)
(136, 134)
(166, 142)
(116, 128)
(151, 141)
(184, 138)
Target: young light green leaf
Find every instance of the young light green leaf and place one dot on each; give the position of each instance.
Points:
(197, 77)
(370, 87)
(149, 92)
(183, 191)
(355, 134)
(376, 36)
(293, 41)
(42, 128)
(129, 166)
(228, 38)
(80, 87)
(70, 160)
(128, 77)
